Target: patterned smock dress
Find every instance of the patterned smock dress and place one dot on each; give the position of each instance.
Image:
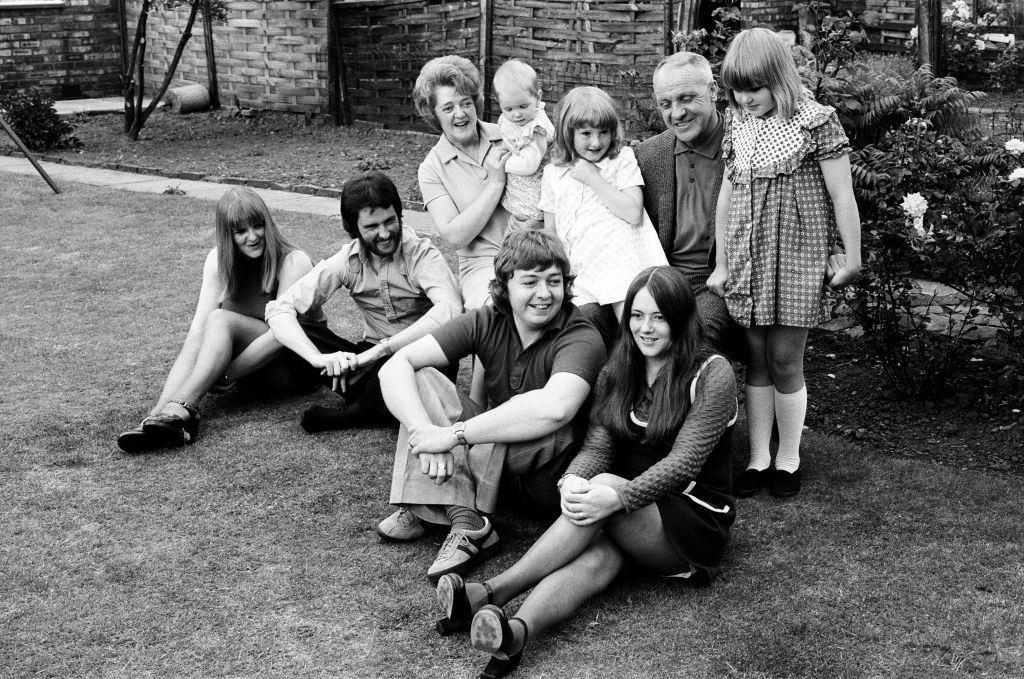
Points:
(781, 226)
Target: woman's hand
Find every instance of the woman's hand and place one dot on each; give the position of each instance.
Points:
(338, 366)
(593, 504)
(717, 280)
(494, 163)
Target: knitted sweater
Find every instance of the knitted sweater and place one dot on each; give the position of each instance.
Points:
(713, 409)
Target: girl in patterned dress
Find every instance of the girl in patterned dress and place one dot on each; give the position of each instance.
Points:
(526, 131)
(592, 198)
(786, 196)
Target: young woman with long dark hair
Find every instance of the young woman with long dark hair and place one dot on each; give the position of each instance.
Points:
(651, 484)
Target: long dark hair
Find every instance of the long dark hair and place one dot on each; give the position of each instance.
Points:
(624, 378)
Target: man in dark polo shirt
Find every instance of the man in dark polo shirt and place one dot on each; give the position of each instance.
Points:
(540, 358)
(682, 169)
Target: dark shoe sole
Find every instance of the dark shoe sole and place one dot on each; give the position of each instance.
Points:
(137, 441)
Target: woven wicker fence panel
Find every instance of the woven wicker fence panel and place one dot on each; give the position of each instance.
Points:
(383, 45)
(611, 45)
(270, 54)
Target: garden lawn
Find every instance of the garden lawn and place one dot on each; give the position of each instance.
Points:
(252, 552)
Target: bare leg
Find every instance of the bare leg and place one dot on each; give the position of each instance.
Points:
(226, 335)
(785, 357)
(558, 546)
(560, 594)
(758, 374)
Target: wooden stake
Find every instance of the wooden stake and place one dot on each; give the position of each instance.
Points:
(31, 158)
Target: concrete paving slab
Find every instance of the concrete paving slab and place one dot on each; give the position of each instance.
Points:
(212, 191)
(70, 107)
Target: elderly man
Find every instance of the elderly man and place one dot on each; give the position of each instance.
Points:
(682, 169)
(540, 358)
(399, 281)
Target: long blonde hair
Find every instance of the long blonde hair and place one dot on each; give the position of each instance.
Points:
(240, 208)
(758, 58)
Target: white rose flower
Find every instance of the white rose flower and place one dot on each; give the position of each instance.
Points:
(915, 205)
(1016, 174)
(913, 33)
(979, 45)
(1014, 146)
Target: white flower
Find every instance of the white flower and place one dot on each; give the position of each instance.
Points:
(961, 9)
(1016, 174)
(947, 15)
(913, 33)
(915, 205)
(979, 45)
(1014, 146)
(917, 124)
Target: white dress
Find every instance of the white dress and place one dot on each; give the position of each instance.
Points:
(606, 252)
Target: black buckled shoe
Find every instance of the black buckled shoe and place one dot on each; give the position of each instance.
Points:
(173, 430)
(135, 441)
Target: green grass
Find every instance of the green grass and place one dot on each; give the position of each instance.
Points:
(252, 553)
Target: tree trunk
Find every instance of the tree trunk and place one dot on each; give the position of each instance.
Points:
(142, 114)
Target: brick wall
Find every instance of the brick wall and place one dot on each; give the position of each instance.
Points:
(67, 51)
(269, 54)
(779, 14)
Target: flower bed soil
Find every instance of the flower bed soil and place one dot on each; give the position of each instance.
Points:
(268, 149)
(850, 395)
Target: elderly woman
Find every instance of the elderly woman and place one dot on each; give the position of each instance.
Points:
(463, 176)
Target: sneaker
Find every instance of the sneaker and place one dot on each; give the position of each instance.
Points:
(462, 550)
(750, 481)
(784, 484)
(401, 526)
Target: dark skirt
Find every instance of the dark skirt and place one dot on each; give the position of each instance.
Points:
(697, 518)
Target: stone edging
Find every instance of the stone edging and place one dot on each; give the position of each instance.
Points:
(306, 189)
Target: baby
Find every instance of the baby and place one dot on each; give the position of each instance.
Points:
(526, 131)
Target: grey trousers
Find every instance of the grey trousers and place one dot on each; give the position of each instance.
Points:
(529, 469)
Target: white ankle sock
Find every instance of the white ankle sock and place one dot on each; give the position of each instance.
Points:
(790, 411)
(760, 416)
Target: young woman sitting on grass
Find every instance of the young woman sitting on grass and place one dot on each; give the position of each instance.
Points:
(651, 484)
(228, 338)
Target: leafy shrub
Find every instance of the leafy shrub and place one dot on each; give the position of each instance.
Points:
(974, 242)
(35, 121)
(871, 104)
(1006, 74)
(713, 44)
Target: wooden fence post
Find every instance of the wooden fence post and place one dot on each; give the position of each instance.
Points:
(929, 35)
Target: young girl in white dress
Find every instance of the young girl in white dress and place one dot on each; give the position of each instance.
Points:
(592, 198)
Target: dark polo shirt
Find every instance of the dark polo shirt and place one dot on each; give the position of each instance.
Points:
(698, 181)
(569, 344)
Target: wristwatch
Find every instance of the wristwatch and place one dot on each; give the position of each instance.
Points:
(459, 431)
(386, 343)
